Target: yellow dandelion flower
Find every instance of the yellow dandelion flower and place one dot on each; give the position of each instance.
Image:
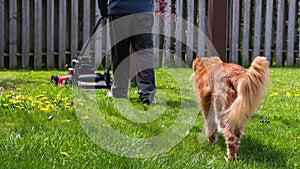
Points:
(297, 95)
(65, 154)
(288, 94)
(30, 98)
(32, 104)
(85, 118)
(47, 102)
(298, 137)
(21, 97)
(44, 108)
(44, 98)
(46, 139)
(18, 89)
(44, 92)
(43, 85)
(5, 105)
(67, 106)
(13, 101)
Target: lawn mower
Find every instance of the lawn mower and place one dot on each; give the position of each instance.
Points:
(81, 73)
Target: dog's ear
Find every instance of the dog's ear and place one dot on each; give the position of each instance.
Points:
(195, 63)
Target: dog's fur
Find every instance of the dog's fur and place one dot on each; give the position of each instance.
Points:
(228, 96)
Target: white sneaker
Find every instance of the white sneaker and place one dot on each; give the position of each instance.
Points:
(109, 94)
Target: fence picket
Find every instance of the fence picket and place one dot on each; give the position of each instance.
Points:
(13, 34)
(50, 34)
(62, 35)
(235, 32)
(269, 30)
(257, 28)
(279, 33)
(25, 33)
(2, 38)
(74, 28)
(246, 33)
(190, 33)
(202, 26)
(291, 33)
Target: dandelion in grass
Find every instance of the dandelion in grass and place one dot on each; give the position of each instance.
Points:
(298, 138)
(43, 85)
(44, 92)
(18, 89)
(29, 98)
(46, 139)
(5, 105)
(46, 109)
(288, 94)
(297, 95)
(273, 94)
(65, 154)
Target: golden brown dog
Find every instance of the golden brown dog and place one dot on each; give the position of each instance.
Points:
(228, 96)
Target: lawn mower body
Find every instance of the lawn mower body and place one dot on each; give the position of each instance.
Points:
(82, 75)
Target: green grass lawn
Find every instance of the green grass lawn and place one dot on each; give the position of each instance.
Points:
(46, 126)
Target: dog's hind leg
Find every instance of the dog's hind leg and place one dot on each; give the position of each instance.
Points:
(211, 128)
(232, 143)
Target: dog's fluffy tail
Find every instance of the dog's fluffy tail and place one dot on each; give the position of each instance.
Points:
(249, 92)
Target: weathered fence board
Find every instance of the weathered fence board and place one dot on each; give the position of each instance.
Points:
(74, 28)
(38, 34)
(257, 28)
(246, 33)
(202, 28)
(279, 33)
(291, 33)
(235, 32)
(190, 41)
(269, 30)
(25, 33)
(51, 32)
(13, 33)
(2, 38)
(62, 35)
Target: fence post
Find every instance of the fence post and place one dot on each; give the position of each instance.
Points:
(179, 31)
(74, 28)
(202, 22)
(62, 35)
(257, 28)
(291, 33)
(38, 34)
(269, 30)
(279, 33)
(217, 15)
(25, 33)
(190, 47)
(169, 29)
(50, 33)
(235, 32)
(246, 32)
(2, 40)
(13, 34)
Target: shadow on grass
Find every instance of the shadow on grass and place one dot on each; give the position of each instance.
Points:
(254, 151)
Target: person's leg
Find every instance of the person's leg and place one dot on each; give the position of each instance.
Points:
(120, 60)
(142, 44)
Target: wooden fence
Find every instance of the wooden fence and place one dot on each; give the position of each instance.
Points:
(49, 33)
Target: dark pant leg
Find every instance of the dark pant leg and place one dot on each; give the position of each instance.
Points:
(142, 44)
(120, 52)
